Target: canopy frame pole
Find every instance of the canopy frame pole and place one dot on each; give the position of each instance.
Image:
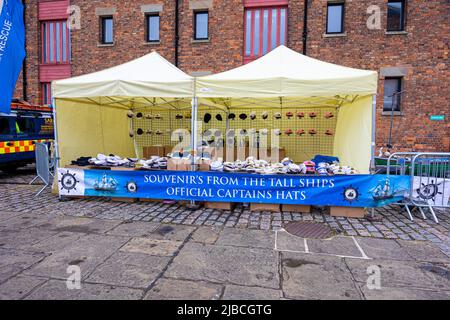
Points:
(55, 143)
(374, 128)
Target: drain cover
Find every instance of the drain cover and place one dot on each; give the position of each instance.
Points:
(312, 230)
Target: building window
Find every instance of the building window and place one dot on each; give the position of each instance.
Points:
(265, 29)
(392, 100)
(201, 25)
(46, 93)
(107, 30)
(335, 18)
(153, 28)
(396, 15)
(55, 47)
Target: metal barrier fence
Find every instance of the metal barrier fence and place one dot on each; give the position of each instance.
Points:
(43, 166)
(430, 180)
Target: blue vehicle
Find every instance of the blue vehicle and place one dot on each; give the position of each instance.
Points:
(19, 132)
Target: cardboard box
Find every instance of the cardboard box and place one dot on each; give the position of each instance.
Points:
(349, 212)
(295, 208)
(204, 165)
(265, 207)
(154, 151)
(228, 206)
(178, 165)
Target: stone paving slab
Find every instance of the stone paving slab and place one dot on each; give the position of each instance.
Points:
(390, 293)
(233, 292)
(13, 262)
(5, 215)
(57, 290)
(246, 238)
(173, 289)
(152, 246)
(206, 235)
(317, 277)
(288, 242)
(23, 238)
(19, 287)
(135, 229)
(383, 249)
(413, 275)
(79, 224)
(423, 251)
(133, 270)
(236, 265)
(344, 246)
(88, 253)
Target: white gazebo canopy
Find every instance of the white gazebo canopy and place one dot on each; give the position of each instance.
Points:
(286, 73)
(148, 76)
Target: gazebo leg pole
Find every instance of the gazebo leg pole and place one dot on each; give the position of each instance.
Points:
(374, 130)
(194, 143)
(55, 143)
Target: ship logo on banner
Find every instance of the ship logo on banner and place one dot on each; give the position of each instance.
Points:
(71, 182)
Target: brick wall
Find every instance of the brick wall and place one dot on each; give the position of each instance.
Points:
(422, 51)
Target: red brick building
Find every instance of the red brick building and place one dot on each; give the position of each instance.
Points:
(406, 41)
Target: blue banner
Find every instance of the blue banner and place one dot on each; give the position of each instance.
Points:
(339, 190)
(12, 49)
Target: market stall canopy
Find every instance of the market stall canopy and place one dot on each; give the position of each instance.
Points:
(286, 73)
(148, 76)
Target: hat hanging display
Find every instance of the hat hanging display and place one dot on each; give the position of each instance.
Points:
(264, 132)
(149, 132)
(329, 132)
(253, 115)
(218, 133)
(159, 132)
(277, 132)
(288, 132)
(312, 114)
(131, 133)
(300, 132)
(329, 115)
(139, 115)
(300, 114)
(265, 115)
(243, 116)
(232, 116)
(149, 116)
(130, 114)
(289, 115)
(243, 132)
(179, 116)
(207, 118)
(140, 132)
(230, 133)
(277, 115)
(252, 131)
(157, 116)
(207, 133)
(188, 116)
(312, 131)
(219, 117)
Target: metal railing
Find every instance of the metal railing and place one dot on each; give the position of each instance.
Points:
(429, 174)
(44, 165)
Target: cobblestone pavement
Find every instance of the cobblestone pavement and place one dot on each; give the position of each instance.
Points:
(393, 223)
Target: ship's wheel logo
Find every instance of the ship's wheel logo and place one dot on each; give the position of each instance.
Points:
(429, 191)
(68, 182)
(132, 187)
(351, 193)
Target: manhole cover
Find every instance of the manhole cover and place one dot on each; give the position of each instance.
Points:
(310, 230)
